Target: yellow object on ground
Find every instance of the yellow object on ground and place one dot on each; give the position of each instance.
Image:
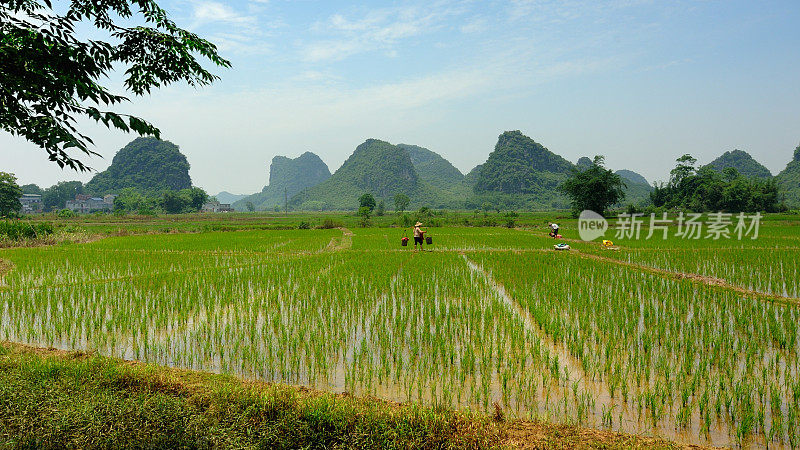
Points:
(607, 243)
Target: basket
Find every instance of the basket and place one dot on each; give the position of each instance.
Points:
(404, 241)
(428, 240)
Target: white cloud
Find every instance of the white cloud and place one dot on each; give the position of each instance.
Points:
(475, 25)
(376, 29)
(207, 12)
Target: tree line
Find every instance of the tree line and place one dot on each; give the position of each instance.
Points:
(703, 189)
(129, 200)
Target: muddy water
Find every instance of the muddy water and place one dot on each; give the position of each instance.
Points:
(548, 402)
(624, 417)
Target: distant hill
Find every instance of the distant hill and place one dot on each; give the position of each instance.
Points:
(741, 161)
(471, 179)
(789, 180)
(521, 173)
(437, 172)
(377, 167)
(287, 177)
(583, 163)
(431, 167)
(227, 197)
(637, 190)
(146, 164)
(519, 165)
(630, 176)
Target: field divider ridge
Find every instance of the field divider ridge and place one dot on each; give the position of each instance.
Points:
(696, 278)
(345, 243)
(565, 356)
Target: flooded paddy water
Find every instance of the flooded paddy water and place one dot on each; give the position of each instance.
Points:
(486, 317)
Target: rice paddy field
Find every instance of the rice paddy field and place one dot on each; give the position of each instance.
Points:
(695, 341)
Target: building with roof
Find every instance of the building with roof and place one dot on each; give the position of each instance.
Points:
(31, 203)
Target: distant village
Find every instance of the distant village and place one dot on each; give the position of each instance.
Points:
(32, 203)
(86, 204)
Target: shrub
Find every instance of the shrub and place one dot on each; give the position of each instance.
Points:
(24, 230)
(66, 214)
(304, 225)
(511, 219)
(329, 223)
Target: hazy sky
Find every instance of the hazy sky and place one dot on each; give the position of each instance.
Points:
(640, 82)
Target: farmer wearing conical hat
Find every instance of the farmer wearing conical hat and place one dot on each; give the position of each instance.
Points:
(419, 235)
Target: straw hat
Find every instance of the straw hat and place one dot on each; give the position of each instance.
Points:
(418, 224)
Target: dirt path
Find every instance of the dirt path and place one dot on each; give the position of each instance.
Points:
(702, 279)
(338, 244)
(6, 266)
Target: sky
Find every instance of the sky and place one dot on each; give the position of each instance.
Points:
(640, 82)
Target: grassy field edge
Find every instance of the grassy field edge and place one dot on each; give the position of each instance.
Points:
(57, 399)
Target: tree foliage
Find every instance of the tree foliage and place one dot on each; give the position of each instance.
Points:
(50, 77)
(130, 200)
(706, 189)
(189, 200)
(401, 202)
(10, 193)
(594, 188)
(31, 189)
(367, 200)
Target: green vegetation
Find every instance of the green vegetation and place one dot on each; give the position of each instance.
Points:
(705, 189)
(17, 230)
(584, 162)
(519, 165)
(183, 201)
(51, 72)
(637, 190)
(521, 173)
(630, 176)
(375, 166)
(147, 165)
(789, 180)
(367, 201)
(742, 162)
(171, 202)
(31, 189)
(594, 188)
(227, 197)
(401, 202)
(288, 177)
(437, 172)
(10, 193)
(96, 402)
(460, 326)
(471, 179)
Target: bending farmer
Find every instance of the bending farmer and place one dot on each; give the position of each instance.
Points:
(554, 230)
